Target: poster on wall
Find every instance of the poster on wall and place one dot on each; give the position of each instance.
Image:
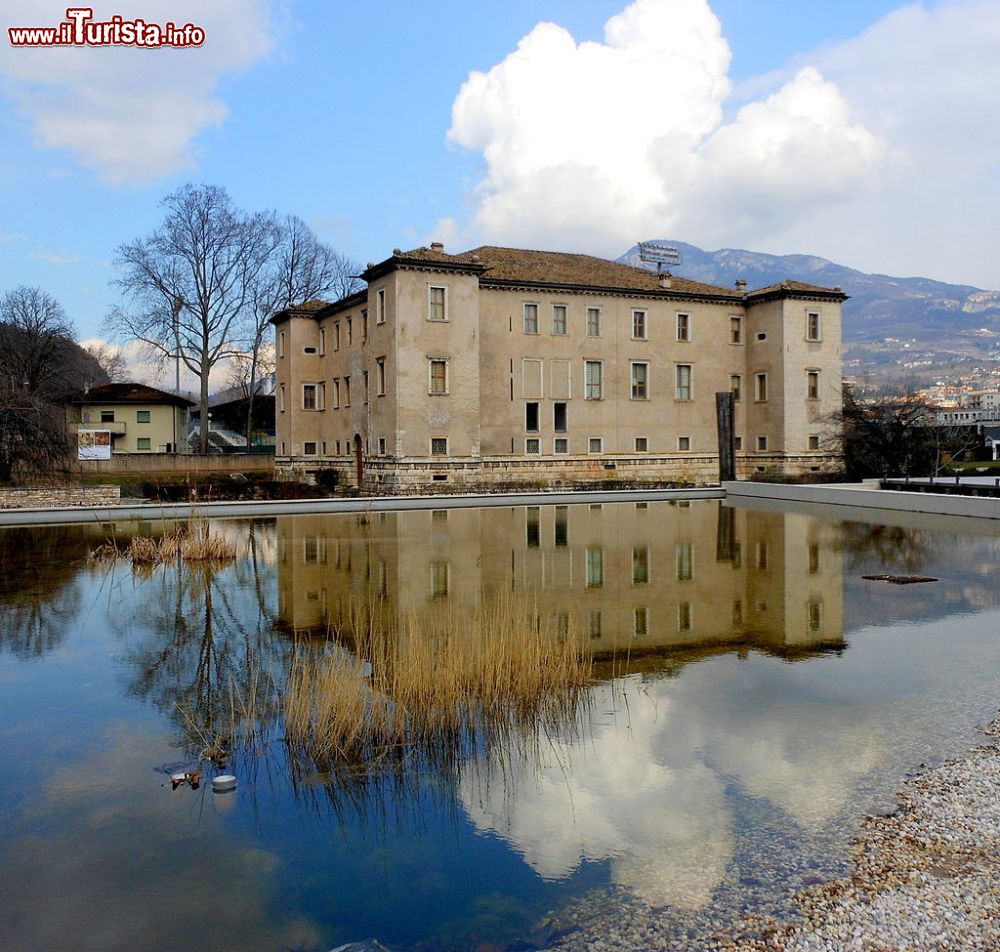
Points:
(94, 444)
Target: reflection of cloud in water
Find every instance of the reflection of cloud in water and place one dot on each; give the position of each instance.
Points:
(664, 828)
(648, 792)
(114, 862)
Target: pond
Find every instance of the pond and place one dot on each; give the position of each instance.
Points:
(747, 698)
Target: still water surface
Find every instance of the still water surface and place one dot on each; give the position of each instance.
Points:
(753, 698)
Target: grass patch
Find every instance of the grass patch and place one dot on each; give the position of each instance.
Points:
(193, 542)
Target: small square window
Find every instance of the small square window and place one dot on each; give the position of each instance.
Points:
(639, 325)
(595, 445)
(439, 446)
(560, 445)
(143, 443)
(309, 448)
(142, 416)
(761, 444)
(642, 444)
(684, 327)
(107, 416)
(762, 336)
(530, 318)
(684, 443)
(813, 442)
(533, 446)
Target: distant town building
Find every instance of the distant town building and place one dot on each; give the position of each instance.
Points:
(503, 365)
(134, 417)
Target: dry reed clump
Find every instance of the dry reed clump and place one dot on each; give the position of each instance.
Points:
(191, 543)
(437, 687)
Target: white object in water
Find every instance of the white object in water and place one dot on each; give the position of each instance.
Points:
(179, 778)
(223, 783)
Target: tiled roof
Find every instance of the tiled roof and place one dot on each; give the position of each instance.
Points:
(799, 287)
(129, 393)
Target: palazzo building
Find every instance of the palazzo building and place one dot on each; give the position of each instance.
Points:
(505, 366)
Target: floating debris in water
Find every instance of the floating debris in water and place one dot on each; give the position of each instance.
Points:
(900, 579)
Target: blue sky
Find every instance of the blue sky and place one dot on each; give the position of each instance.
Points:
(777, 126)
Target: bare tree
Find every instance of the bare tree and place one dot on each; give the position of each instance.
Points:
(303, 269)
(40, 366)
(188, 284)
(109, 358)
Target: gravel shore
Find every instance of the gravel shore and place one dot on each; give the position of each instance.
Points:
(925, 877)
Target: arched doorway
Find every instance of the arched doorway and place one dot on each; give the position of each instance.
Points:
(359, 460)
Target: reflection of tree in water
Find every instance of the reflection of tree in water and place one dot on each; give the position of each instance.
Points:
(886, 547)
(205, 646)
(39, 594)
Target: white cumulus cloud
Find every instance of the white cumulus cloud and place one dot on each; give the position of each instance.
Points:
(592, 145)
(132, 114)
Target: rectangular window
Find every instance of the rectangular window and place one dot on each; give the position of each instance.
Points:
(640, 619)
(440, 574)
(336, 393)
(594, 625)
(682, 385)
(533, 528)
(364, 324)
(364, 380)
(531, 417)
(530, 318)
(309, 396)
(532, 446)
(309, 448)
(561, 532)
(737, 442)
(684, 327)
(593, 322)
(813, 559)
(321, 396)
(761, 391)
(640, 381)
(595, 567)
(813, 325)
(595, 445)
(761, 444)
(812, 384)
(438, 376)
(338, 447)
(322, 341)
(683, 444)
(639, 325)
(560, 445)
(735, 329)
(350, 331)
(437, 303)
(381, 446)
(336, 335)
(143, 443)
(640, 564)
(736, 387)
(592, 380)
(380, 376)
(559, 419)
(813, 442)
(684, 616)
(281, 343)
(281, 398)
(107, 416)
(142, 416)
(439, 446)
(815, 609)
(685, 570)
(347, 391)
(558, 318)
(380, 306)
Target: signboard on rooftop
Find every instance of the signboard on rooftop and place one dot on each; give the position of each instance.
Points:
(657, 253)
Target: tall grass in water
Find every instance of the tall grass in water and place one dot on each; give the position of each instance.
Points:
(194, 542)
(435, 688)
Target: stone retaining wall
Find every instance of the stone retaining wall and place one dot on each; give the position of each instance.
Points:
(163, 464)
(52, 496)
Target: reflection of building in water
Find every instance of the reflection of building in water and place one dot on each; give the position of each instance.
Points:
(639, 576)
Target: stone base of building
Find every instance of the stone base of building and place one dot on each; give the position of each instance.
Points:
(47, 497)
(445, 474)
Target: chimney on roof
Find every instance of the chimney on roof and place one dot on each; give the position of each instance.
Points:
(437, 246)
(741, 284)
(665, 279)
(397, 252)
